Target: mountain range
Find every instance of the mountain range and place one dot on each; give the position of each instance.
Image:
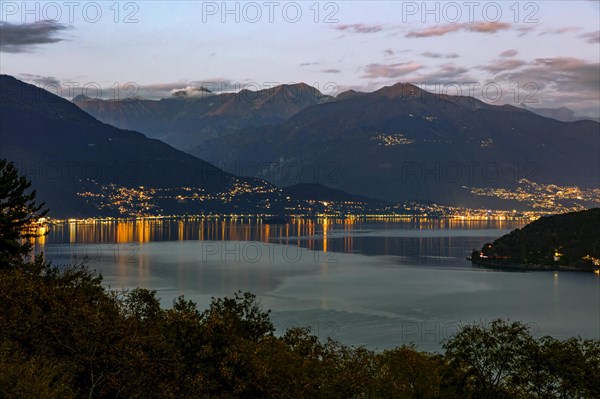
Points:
(82, 167)
(186, 122)
(401, 143)
(562, 114)
(398, 143)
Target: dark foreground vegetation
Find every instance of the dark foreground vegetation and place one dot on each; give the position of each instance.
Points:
(63, 335)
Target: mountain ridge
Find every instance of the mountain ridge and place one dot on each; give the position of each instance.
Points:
(401, 143)
(187, 124)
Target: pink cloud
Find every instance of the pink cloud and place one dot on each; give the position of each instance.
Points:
(390, 70)
(509, 53)
(479, 27)
(506, 65)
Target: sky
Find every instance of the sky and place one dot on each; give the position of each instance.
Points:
(537, 53)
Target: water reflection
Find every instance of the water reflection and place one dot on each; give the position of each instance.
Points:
(413, 239)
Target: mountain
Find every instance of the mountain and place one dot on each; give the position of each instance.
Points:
(83, 167)
(186, 122)
(566, 240)
(401, 143)
(312, 191)
(563, 114)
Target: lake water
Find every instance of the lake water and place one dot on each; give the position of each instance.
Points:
(374, 283)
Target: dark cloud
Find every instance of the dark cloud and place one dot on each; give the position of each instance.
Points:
(331, 71)
(18, 38)
(429, 54)
(309, 64)
(388, 51)
(39, 80)
(509, 53)
(359, 28)
(441, 30)
(559, 31)
(390, 70)
(525, 29)
(591, 37)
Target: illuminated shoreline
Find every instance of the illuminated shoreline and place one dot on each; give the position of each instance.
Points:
(474, 216)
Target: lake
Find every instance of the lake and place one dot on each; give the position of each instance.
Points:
(374, 283)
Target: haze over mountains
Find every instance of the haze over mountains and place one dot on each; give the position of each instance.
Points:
(397, 143)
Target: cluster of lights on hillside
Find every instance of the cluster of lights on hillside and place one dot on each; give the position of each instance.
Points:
(547, 198)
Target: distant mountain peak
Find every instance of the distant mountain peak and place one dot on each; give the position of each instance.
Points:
(562, 114)
(81, 97)
(399, 90)
(348, 94)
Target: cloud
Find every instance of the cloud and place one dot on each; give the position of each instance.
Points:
(479, 27)
(309, 64)
(359, 28)
(525, 29)
(557, 79)
(190, 91)
(435, 31)
(40, 80)
(196, 88)
(506, 65)
(439, 55)
(388, 51)
(447, 73)
(390, 70)
(509, 53)
(559, 31)
(68, 88)
(331, 71)
(564, 73)
(591, 37)
(487, 27)
(19, 38)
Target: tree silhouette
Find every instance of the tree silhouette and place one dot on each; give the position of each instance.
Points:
(18, 214)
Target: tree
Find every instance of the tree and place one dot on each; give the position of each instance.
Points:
(231, 328)
(486, 360)
(404, 372)
(18, 214)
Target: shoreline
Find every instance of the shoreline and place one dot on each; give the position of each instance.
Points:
(532, 267)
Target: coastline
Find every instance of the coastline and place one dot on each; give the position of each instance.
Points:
(531, 267)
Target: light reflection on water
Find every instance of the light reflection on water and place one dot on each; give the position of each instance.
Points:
(378, 284)
(339, 235)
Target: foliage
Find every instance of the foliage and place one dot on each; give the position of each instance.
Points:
(502, 360)
(573, 235)
(18, 213)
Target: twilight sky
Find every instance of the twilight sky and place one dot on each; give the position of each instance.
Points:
(543, 53)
